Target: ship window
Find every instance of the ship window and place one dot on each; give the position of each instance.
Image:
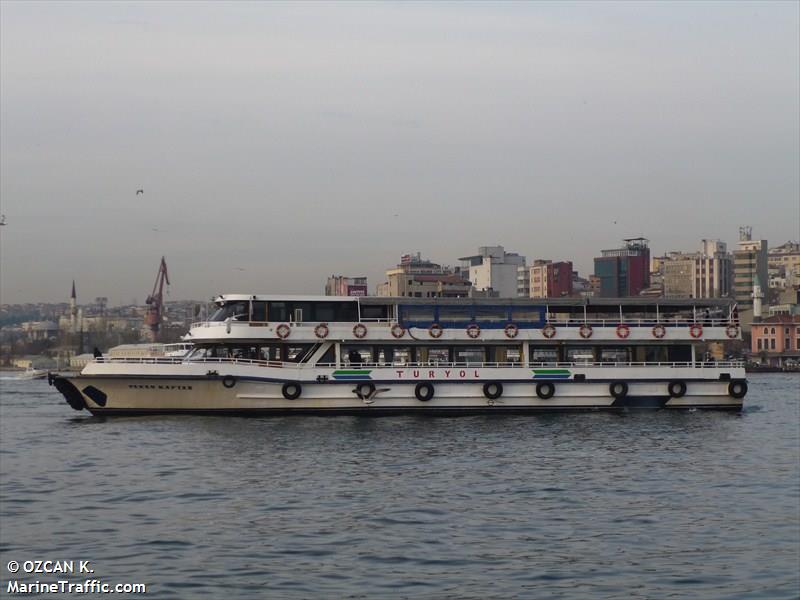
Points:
(433, 356)
(544, 355)
(296, 352)
(420, 313)
(238, 311)
(393, 355)
(259, 311)
(455, 314)
(354, 355)
(469, 355)
(374, 312)
(615, 355)
(507, 354)
(526, 314)
(278, 311)
(329, 357)
(488, 314)
(580, 354)
(270, 353)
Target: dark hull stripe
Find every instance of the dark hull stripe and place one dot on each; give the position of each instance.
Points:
(532, 381)
(378, 411)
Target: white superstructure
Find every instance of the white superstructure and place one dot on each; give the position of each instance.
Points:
(262, 354)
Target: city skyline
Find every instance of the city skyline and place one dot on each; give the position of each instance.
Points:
(275, 144)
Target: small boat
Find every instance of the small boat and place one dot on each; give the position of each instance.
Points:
(31, 373)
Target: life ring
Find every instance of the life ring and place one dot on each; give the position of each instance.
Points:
(737, 389)
(623, 331)
(473, 330)
(732, 331)
(291, 391)
(511, 330)
(283, 331)
(677, 389)
(586, 331)
(545, 390)
(618, 389)
(359, 330)
(364, 390)
(659, 331)
(398, 331)
(229, 381)
(321, 331)
(435, 331)
(423, 392)
(549, 331)
(493, 390)
(696, 330)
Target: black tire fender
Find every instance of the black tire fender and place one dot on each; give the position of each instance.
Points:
(229, 381)
(677, 389)
(291, 391)
(545, 390)
(364, 390)
(424, 391)
(737, 389)
(618, 389)
(493, 390)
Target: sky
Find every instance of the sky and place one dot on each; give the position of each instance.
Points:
(279, 143)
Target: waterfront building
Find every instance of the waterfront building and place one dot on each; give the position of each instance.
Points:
(784, 265)
(494, 270)
(523, 282)
(750, 265)
(704, 274)
(624, 271)
(776, 340)
(550, 279)
(416, 277)
(339, 285)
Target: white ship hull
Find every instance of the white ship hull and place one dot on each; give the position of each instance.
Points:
(187, 388)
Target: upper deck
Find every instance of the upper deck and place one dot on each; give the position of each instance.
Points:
(550, 320)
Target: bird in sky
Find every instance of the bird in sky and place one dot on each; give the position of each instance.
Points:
(139, 192)
(2, 219)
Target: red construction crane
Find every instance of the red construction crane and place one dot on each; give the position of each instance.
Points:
(155, 301)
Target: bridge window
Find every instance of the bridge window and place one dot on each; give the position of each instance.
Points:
(455, 314)
(259, 311)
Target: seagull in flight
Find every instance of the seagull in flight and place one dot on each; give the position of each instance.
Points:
(139, 192)
(2, 219)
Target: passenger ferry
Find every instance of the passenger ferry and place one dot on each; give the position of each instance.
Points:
(377, 355)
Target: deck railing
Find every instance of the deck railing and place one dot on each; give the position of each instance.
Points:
(415, 365)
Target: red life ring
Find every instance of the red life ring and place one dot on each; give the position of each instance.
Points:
(321, 331)
(549, 331)
(696, 330)
(511, 331)
(586, 331)
(359, 330)
(623, 331)
(473, 330)
(659, 331)
(435, 331)
(398, 331)
(283, 331)
(732, 331)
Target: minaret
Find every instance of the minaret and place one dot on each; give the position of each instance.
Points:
(73, 309)
(757, 296)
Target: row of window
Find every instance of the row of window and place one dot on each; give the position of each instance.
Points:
(771, 331)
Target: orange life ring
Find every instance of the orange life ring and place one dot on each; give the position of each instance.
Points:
(321, 331)
(549, 331)
(398, 331)
(732, 331)
(511, 330)
(473, 330)
(283, 331)
(623, 331)
(359, 330)
(659, 331)
(696, 330)
(586, 331)
(435, 331)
